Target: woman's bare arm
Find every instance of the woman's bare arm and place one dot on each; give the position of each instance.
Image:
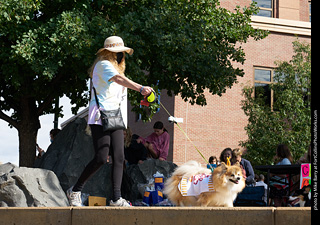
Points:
(126, 82)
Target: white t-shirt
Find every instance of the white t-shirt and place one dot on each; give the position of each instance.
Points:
(110, 94)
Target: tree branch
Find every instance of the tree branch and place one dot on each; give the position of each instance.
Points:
(48, 101)
(8, 119)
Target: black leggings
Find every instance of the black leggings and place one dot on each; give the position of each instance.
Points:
(101, 143)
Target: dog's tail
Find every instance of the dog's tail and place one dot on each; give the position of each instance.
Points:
(188, 169)
(171, 189)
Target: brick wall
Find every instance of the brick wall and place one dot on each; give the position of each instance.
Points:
(283, 9)
(304, 10)
(221, 123)
(231, 4)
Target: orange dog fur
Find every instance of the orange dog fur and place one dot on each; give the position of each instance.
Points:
(228, 181)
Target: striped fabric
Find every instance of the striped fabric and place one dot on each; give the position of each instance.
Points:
(195, 185)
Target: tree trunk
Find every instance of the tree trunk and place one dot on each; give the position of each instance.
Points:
(27, 146)
(28, 130)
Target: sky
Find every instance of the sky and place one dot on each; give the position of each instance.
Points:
(9, 139)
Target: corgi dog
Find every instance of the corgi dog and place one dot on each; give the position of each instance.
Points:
(193, 185)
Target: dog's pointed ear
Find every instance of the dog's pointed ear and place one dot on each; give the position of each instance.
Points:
(237, 164)
(307, 189)
(223, 167)
(223, 164)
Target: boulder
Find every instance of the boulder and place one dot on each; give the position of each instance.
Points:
(30, 187)
(141, 175)
(68, 155)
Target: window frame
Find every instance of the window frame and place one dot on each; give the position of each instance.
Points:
(272, 70)
(309, 10)
(267, 9)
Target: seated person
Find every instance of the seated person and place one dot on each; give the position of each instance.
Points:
(53, 134)
(278, 187)
(212, 162)
(225, 154)
(157, 143)
(245, 165)
(134, 152)
(260, 182)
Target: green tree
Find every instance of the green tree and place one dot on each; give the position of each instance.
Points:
(186, 46)
(47, 47)
(289, 121)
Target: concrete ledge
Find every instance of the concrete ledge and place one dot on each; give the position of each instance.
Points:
(293, 216)
(155, 215)
(281, 25)
(35, 216)
(173, 215)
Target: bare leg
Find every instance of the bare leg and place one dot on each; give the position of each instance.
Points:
(152, 152)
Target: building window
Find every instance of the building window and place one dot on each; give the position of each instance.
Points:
(266, 7)
(309, 11)
(263, 77)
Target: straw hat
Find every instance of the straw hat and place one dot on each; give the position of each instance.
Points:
(115, 44)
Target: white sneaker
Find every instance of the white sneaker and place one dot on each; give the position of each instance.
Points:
(120, 203)
(74, 197)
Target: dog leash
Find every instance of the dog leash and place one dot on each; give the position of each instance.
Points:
(185, 134)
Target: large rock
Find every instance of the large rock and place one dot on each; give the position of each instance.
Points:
(68, 155)
(72, 150)
(29, 187)
(142, 174)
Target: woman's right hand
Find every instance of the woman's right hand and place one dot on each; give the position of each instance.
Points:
(146, 90)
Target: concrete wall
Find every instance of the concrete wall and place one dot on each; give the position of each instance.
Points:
(155, 215)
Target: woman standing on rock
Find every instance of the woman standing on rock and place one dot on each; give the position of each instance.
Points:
(110, 83)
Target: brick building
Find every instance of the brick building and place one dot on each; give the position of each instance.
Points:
(221, 122)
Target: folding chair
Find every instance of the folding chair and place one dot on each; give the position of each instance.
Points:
(251, 196)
